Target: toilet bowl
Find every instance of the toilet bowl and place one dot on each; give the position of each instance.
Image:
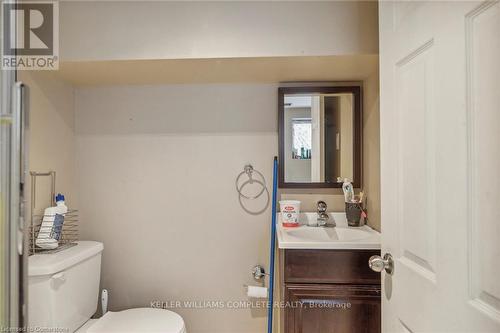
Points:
(136, 320)
(63, 292)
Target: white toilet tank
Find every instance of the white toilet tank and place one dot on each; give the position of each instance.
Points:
(63, 287)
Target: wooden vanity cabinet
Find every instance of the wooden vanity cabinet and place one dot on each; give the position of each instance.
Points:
(328, 291)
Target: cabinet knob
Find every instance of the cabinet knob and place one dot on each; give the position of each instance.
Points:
(378, 264)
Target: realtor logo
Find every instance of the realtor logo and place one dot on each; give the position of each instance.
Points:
(30, 35)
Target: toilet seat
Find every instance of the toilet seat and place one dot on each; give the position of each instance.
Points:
(145, 320)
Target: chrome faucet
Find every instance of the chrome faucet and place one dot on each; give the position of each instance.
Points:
(323, 216)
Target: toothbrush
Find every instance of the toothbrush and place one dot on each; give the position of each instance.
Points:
(363, 210)
(348, 191)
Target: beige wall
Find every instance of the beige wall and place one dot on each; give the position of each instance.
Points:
(52, 140)
(346, 136)
(156, 172)
(126, 30)
(371, 149)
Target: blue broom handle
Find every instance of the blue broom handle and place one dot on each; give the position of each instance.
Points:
(271, 250)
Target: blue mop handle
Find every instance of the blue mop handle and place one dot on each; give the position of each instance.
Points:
(271, 250)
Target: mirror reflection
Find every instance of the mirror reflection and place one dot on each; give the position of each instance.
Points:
(318, 137)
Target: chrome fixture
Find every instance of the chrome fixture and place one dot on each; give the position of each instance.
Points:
(323, 216)
(258, 272)
(249, 171)
(378, 264)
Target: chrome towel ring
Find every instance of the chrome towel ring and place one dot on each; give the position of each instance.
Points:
(250, 172)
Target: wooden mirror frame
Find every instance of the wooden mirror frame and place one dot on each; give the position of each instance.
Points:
(357, 127)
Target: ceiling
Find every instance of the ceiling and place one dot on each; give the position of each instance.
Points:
(220, 70)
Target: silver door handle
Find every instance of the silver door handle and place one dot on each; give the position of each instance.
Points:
(378, 264)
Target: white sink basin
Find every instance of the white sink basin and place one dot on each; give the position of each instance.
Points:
(339, 237)
(327, 234)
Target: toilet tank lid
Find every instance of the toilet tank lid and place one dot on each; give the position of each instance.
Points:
(47, 264)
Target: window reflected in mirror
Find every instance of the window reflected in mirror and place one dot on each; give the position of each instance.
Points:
(301, 138)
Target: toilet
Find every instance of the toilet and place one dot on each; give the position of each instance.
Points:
(63, 291)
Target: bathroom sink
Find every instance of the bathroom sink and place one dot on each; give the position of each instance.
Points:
(327, 234)
(340, 237)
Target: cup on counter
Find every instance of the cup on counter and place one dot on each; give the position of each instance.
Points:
(290, 210)
(353, 212)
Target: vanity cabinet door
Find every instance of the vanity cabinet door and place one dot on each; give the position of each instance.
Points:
(330, 266)
(317, 308)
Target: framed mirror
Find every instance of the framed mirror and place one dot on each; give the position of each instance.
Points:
(319, 136)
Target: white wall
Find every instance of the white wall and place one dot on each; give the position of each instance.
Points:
(110, 30)
(156, 172)
(52, 139)
(196, 108)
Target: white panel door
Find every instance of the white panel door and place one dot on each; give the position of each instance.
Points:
(440, 160)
